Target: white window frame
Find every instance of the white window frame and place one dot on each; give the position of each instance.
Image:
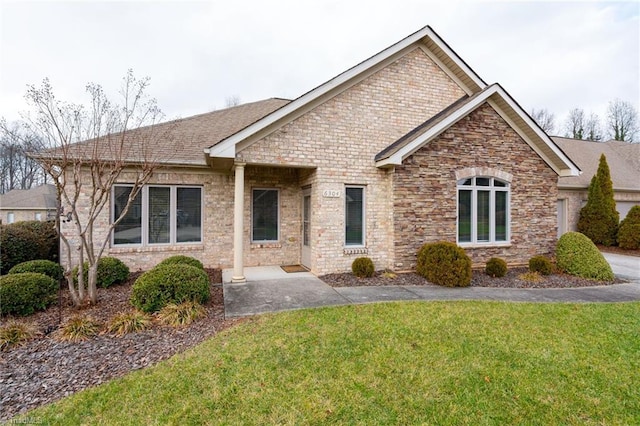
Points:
(173, 207)
(492, 189)
(11, 217)
(277, 190)
(364, 217)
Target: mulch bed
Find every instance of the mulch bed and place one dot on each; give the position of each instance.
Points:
(479, 279)
(47, 369)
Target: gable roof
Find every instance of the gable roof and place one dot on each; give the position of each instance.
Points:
(177, 142)
(436, 49)
(623, 159)
(505, 106)
(43, 197)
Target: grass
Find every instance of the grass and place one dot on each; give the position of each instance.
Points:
(16, 333)
(477, 363)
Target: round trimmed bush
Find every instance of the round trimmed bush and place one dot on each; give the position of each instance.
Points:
(444, 263)
(111, 271)
(186, 260)
(629, 232)
(25, 293)
(577, 255)
(47, 267)
(363, 267)
(496, 267)
(541, 264)
(166, 284)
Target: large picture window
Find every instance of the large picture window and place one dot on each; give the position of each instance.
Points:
(264, 215)
(483, 210)
(158, 215)
(354, 216)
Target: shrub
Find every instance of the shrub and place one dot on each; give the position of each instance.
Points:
(25, 293)
(111, 271)
(629, 231)
(444, 263)
(599, 218)
(16, 333)
(180, 315)
(79, 328)
(166, 284)
(577, 255)
(541, 265)
(185, 260)
(496, 267)
(47, 267)
(128, 322)
(23, 241)
(363, 267)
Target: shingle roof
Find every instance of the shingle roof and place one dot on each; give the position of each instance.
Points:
(38, 198)
(623, 159)
(182, 141)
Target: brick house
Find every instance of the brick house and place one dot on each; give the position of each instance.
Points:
(407, 147)
(38, 203)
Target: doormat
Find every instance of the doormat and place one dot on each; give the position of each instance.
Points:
(294, 268)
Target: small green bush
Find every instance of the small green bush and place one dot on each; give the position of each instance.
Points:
(577, 255)
(629, 232)
(541, 264)
(166, 284)
(444, 263)
(111, 271)
(25, 293)
(47, 267)
(23, 241)
(363, 267)
(496, 267)
(186, 260)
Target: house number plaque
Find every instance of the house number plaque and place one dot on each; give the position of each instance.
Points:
(330, 193)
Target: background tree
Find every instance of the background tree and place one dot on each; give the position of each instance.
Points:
(545, 119)
(17, 170)
(622, 120)
(599, 218)
(592, 129)
(89, 149)
(575, 124)
(231, 101)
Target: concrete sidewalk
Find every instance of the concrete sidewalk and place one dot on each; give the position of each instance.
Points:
(283, 292)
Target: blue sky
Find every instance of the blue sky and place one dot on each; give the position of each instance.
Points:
(554, 55)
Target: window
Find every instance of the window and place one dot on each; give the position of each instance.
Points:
(354, 216)
(11, 217)
(483, 210)
(38, 216)
(158, 215)
(264, 215)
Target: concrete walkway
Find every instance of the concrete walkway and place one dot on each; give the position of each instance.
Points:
(270, 289)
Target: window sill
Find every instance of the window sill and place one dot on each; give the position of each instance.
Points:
(505, 244)
(256, 245)
(355, 250)
(156, 248)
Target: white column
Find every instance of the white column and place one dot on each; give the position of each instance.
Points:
(238, 222)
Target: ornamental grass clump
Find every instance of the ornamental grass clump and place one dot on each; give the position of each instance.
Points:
(16, 333)
(444, 263)
(129, 322)
(541, 264)
(178, 315)
(173, 283)
(577, 255)
(363, 267)
(79, 328)
(530, 276)
(496, 267)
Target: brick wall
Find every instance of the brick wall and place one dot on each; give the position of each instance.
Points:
(425, 190)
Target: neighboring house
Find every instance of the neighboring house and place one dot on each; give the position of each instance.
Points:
(407, 147)
(623, 159)
(39, 203)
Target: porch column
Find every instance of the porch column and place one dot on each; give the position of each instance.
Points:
(238, 222)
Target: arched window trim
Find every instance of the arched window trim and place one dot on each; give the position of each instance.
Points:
(483, 210)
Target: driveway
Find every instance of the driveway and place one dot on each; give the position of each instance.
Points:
(627, 267)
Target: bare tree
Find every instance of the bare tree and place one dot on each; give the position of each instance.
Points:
(622, 120)
(89, 149)
(231, 101)
(545, 119)
(575, 125)
(592, 129)
(17, 170)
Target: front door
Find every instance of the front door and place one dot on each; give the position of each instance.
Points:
(305, 252)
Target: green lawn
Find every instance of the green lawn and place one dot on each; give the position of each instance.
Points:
(396, 363)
